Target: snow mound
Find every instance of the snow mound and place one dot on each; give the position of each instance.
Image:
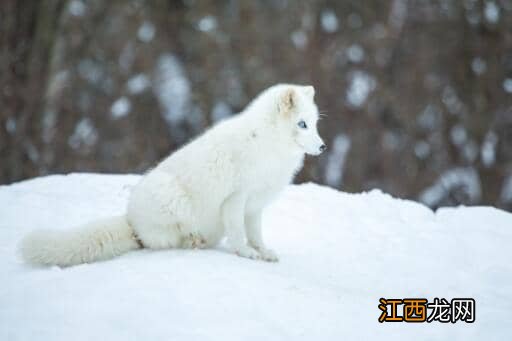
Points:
(339, 253)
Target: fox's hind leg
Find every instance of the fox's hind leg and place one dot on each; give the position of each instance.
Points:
(160, 211)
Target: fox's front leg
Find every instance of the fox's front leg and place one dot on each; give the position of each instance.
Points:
(254, 236)
(233, 220)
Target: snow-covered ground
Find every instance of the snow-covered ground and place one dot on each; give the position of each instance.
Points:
(339, 253)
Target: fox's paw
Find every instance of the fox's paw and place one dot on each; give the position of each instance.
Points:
(193, 241)
(247, 252)
(268, 255)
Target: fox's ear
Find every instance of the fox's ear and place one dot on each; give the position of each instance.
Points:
(287, 101)
(309, 90)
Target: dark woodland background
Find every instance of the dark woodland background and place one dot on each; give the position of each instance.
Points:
(418, 93)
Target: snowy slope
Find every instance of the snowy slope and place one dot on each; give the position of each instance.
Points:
(339, 253)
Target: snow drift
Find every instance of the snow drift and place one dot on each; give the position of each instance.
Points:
(339, 253)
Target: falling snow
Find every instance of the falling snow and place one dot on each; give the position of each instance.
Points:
(299, 39)
(84, 135)
(220, 111)
(507, 85)
(207, 23)
(138, 84)
(146, 32)
(458, 135)
(76, 8)
(361, 85)
(120, 108)
(470, 151)
(336, 160)
(488, 151)
(492, 12)
(355, 53)
(329, 21)
(430, 118)
(10, 125)
(421, 150)
(90, 70)
(479, 66)
(172, 88)
(398, 14)
(451, 100)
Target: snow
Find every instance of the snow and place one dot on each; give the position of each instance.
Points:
(422, 150)
(120, 108)
(299, 39)
(507, 85)
(479, 66)
(90, 70)
(339, 253)
(451, 100)
(138, 83)
(492, 12)
(172, 88)
(488, 150)
(470, 151)
(146, 32)
(463, 179)
(85, 134)
(391, 140)
(361, 85)
(220, 111)
(76, 8)
(430, 118)
(10, 125)
(329, 21)
(336, 160)
(355, 53)
(458, 134)
(207, 23)
(398, 14)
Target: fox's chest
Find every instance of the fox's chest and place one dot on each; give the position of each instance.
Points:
(267, 182)
(272, 173)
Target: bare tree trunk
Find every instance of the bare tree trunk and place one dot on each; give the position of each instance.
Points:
(27, 37)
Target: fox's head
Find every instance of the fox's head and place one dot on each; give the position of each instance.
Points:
(298, 117)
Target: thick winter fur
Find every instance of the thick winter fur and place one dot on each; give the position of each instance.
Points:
(215, 186)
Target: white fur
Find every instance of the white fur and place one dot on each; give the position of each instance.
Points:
(100, 240)
(215, 186)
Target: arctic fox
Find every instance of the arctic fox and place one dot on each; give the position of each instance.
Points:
(215, 186)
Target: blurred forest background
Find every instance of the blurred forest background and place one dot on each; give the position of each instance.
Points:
(418, 93)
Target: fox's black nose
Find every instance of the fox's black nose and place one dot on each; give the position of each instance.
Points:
(322, 148)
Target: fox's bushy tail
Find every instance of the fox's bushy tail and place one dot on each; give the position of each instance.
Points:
(99, 240)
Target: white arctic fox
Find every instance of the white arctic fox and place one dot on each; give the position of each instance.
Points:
(215, 186)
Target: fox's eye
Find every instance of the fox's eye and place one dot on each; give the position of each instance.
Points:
(302, 125)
